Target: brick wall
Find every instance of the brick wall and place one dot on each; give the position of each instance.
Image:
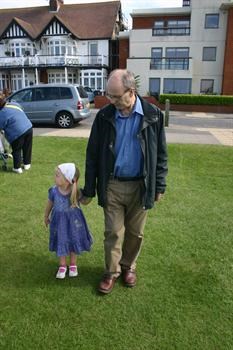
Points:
(148, 21)
(227, 86)
(123, 52)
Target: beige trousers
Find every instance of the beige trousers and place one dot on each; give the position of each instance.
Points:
(124, 224)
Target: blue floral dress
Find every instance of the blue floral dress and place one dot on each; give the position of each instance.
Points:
(68, 228)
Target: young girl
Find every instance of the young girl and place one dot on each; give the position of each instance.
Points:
(69, 234)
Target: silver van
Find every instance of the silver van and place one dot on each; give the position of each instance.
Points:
(62, 104)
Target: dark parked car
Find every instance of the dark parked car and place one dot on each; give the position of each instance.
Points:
(97, 93)
(62, 104)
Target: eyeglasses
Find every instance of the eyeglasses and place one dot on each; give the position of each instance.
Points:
(115, 97)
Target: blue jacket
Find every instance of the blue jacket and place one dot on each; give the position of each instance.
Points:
(13, 121)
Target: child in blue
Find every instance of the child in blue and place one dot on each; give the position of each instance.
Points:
(69, 234)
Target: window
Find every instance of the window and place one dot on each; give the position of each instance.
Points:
(95, 79)
(158, 28)
(93, 52)
(178, 27)
(23, 96)
(154, 86)
(72, 78)
(209, 54)
(177, 86)
(211, 20)
(16, 81)
(156, 58)
(56, 47)
(207, 86)
(21, 49)
(60, 77)
(66, 93)
(177, 58)
(172, 27)
(49, 93)
(4, 81)
(82, 91)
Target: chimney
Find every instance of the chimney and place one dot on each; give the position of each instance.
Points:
(54, 5)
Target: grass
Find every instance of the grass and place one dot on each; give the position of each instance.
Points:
(183, 299)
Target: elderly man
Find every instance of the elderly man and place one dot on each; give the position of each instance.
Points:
(126, 162)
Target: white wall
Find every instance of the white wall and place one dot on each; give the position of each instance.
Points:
(141, 41)
(83, 47)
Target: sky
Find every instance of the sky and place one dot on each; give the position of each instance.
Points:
(127, 5)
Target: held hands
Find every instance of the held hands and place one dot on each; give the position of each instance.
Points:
(83, 199)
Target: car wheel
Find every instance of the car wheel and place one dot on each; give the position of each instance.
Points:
(64, 120)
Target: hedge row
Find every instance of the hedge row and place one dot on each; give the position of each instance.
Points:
(196, 99)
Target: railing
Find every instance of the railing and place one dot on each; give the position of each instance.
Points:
(165, 31)
(46, 60)
(170, 63)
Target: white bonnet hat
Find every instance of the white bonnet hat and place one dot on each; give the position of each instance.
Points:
(68, 170)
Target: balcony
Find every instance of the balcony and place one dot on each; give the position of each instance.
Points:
(170, 31)
(170, 63)
(53, 61)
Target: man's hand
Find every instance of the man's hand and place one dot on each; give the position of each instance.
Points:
(158, 197)
(85, 200)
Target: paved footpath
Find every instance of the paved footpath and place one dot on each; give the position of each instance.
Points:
(199, 127)
(184, 127)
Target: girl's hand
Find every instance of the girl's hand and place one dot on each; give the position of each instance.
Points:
(46, 221)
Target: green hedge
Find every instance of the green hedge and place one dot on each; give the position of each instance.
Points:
(196, 99)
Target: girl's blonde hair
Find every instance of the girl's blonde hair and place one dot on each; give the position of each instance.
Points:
(75, 193)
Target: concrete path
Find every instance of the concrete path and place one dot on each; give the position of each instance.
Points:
(184, 127)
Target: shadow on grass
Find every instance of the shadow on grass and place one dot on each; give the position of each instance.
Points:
(28, 271)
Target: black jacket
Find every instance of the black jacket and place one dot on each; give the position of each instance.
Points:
(100, 156)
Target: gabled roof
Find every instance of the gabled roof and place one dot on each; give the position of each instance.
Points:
(85, 21)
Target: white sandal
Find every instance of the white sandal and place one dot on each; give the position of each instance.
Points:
(73, 271)
(61, 273)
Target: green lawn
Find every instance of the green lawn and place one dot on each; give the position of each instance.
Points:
(184, 296)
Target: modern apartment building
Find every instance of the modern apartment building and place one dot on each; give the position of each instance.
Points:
(59, 44)
(181, 50)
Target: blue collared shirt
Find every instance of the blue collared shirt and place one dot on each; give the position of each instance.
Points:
(129, 158)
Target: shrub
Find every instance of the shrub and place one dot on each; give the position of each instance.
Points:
(196, 99)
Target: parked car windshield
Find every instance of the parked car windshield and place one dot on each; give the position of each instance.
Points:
(22, 96)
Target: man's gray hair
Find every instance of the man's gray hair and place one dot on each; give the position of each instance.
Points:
(127, 78)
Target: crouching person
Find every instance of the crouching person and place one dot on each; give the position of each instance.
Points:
(18, 132)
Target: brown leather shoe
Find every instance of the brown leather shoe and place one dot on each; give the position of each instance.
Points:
(106, 284)
(129, 278)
